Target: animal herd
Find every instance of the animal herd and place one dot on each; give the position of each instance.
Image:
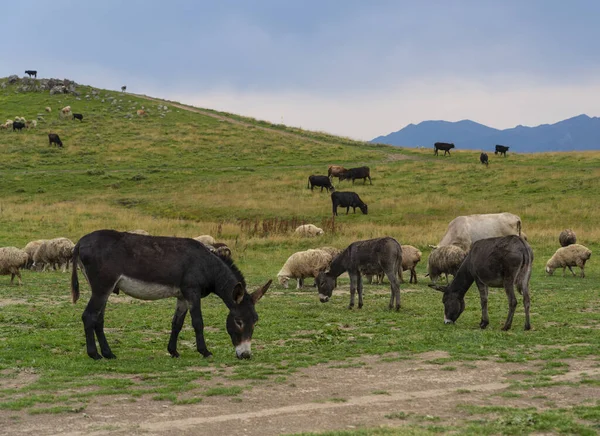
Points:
(483, 157)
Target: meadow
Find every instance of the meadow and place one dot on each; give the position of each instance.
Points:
(244, 181)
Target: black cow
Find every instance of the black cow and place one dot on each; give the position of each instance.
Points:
(503, 262)
(31, 73)
(347, 200)
(483, 158)
(156, 267)
(78, 117)
(442, 146)
(54, 139)
(18, 125)
(123, 88)
(357, 173)
(502, 149)
(322, 181)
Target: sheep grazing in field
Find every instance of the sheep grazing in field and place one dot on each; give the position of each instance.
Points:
(30, 249)
(139, 232)
(221, 249)
(411, 256)
(308, 230)
(54, 252)
(12, 259)
(205, 239)
(304, 264)
(567, 237)
(31, 124)
(331, 250)
(445, 260)
(66, 111)
(566, 257)
(48, 109)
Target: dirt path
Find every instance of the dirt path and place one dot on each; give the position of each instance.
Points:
(368, 392)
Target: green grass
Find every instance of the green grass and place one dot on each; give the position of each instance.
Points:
(188, 174)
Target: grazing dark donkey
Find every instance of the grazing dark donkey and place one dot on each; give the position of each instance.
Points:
(373, 254)
(155, 267)
(483, 158)
(503, 262)
(442, 146)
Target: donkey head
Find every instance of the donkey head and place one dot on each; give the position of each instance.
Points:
(242, 318)
(454, 304)
(325, 285)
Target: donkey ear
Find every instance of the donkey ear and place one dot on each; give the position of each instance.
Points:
(257, 295)
(437, 287)
(238, 293)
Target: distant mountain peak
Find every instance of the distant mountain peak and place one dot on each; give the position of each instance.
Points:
(580, 132)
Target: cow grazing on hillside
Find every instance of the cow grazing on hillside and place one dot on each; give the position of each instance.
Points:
(78, 117)
(503, 262)
(357, 173)
(336, 171)
(31, 73)
(502, 149)
(465, 230)
(483, 158)
(373, 254)
(442, 146)
(155, 267)
(123, 88)
(348, 200)
(322, 181)
(18, 125)
(54, 139)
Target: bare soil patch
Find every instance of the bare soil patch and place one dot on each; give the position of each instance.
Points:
(351, 394)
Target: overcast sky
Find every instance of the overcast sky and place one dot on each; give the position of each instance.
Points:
(355, 68)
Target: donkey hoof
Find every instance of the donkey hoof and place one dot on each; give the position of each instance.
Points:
(483, 324)
(360, 306)
(174, 354)
(206, 354)
(350, 306)
(109, 355)
(95, 355)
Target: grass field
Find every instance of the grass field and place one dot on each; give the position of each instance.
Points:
(244, 181)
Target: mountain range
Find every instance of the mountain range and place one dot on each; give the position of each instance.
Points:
(578, 133)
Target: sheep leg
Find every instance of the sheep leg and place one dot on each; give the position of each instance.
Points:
(413, 273)
(571, 269)
(581, 264)
(512, 302)
(483, 296)
(300, 283)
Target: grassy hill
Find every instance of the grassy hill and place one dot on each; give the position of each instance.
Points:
(198, 171)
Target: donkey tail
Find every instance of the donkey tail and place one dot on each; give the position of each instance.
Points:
(74, 278)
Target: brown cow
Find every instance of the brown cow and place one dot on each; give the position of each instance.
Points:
(141, 113)
(336, 171)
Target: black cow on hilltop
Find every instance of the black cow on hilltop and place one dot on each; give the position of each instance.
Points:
(31, 73)
(357, 173)
(348, 200)
(502, 149)
(54, 139)
(322, 181)
(442, 146)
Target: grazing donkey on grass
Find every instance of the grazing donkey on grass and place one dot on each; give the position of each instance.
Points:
(502, 262)
(381, 254)
(155, 267)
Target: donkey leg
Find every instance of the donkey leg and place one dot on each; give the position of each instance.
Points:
(526, 303)
(92, 312)
(509, 287)
(198, 325)
(395, 289)
(360, 290)
(176, 325)
(99, 330)
(483, 296)
(352, 289)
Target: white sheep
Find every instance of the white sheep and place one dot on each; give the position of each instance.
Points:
(57, 251)
(411, 256)
(139, 232)
(331, 250)
(567, 237)
(308, 230)
(30, 249)
(48, 109)
(205, 239)
(31, 124)
(304, 264)
(11, 260)
(445, 260)
(566, 257)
